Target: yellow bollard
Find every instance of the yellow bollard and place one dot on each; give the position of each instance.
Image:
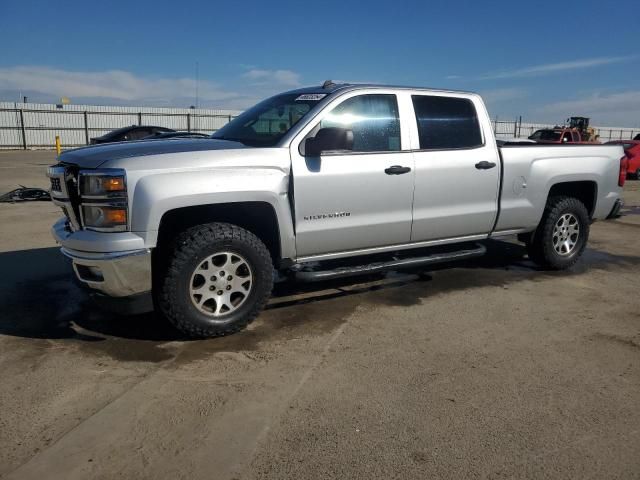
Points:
(58, 146)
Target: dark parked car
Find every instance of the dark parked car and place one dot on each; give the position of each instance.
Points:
(163, 135)
(134, 132)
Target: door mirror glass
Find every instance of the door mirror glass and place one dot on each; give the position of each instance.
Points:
(329, 139)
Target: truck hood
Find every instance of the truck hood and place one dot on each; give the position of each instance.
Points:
(97, 155)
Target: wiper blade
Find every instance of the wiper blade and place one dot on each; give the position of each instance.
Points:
(228, 139)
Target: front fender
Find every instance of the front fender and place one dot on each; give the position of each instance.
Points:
(156, 194)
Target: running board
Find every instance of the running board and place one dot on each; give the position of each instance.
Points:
(381, 266)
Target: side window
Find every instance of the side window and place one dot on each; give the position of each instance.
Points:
(374, 120)
(446, 122)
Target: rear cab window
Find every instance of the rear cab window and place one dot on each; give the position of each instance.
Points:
(446, 123)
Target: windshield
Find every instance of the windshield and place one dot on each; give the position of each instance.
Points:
(266, 123)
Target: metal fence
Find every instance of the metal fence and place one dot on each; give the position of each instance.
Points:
(506, 129)
(32, 126)
(29, 126)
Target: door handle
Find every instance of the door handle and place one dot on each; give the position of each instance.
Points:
(484, 165)
(397, 170)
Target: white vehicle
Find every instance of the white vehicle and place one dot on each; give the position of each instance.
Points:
(197, 227)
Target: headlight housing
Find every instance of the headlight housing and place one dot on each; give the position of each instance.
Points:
(103, 183)
(103, 199)
(103, 218)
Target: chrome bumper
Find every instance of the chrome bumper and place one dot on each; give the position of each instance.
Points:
(120, 273)
(117, 274)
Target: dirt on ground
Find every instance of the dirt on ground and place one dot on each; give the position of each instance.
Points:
(487, 368)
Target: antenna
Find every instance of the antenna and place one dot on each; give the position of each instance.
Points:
(328, 84)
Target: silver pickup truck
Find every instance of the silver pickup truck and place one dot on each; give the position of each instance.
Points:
(376, 177)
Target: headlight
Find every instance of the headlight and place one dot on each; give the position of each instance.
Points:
(103, 199)
(105, 217)
(103, 183)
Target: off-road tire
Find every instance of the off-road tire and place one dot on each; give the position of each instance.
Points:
(541, 248)
(188, 251)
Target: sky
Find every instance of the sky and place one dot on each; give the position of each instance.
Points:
(542, 63)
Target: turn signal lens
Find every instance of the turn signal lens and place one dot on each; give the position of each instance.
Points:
(116, 216)
(113, 184)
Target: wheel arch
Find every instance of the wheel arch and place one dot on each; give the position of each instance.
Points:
(258, 217)
(584, 190)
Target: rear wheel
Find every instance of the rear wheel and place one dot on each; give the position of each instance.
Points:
(562, 234)
(218, 279)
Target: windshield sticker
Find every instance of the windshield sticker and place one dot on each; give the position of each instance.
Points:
(311, 96)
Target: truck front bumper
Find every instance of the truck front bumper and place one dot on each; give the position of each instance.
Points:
(116, 273)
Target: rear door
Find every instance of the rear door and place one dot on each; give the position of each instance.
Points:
(457, 170)
(354, 200)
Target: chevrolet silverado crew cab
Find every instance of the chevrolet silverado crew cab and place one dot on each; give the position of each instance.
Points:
(318, 183)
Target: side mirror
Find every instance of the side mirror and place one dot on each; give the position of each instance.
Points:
(327, 139)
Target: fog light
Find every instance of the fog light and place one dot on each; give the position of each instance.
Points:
(89, 274)
(95, 271)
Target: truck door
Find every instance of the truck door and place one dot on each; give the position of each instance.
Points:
(360, 198)
(457, 169)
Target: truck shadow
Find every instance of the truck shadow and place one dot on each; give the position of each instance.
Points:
(39, 298)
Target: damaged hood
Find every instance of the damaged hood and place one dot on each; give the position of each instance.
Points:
(98, 155)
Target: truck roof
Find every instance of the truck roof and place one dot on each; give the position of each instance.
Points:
(330, 87)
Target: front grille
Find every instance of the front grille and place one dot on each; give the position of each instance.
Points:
(56, 185)
(71, 182)
(64, 192)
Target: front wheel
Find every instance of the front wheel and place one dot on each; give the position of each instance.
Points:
(562, 234)
(219, 278)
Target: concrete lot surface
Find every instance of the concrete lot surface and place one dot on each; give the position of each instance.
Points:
(487, 369)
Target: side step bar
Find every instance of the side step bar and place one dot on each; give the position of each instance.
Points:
(394, 264)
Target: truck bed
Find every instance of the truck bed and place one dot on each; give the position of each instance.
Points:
(529, 170)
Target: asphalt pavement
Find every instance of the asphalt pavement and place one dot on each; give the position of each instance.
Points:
(488, 368)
